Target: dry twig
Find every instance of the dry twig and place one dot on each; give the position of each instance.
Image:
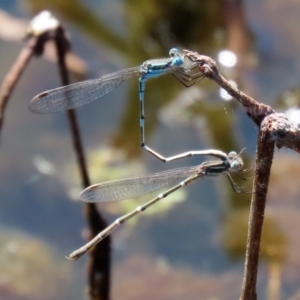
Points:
(274, 129)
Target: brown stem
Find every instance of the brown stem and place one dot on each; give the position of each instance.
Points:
(254, 109)
(14, 74)
(99, 264)
(276, 129)
(237, 32)
(264, 157)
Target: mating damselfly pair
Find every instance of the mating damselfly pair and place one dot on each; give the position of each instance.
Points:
(78, 94)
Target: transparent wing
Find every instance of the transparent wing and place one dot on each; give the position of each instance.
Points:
(81, 93)
(134, 187)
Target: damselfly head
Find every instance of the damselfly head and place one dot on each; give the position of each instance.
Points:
(174, 52)
(176, 58)
(235, 161)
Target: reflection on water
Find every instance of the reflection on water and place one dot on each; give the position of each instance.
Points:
(201, 240)
(27, 264)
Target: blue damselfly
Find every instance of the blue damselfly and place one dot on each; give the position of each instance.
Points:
(78, 94)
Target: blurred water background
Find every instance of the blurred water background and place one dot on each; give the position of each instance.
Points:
(192, 245)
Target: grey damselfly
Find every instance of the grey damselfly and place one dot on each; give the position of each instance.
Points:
(137, 186)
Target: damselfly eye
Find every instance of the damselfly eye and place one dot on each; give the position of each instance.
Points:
(236, 164)
(173, 52)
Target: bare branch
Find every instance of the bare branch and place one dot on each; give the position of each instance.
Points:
(99, 263)
(265, 151)
(14, 74)
(254, 109)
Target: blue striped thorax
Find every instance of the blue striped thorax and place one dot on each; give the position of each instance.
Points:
(156, 67)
